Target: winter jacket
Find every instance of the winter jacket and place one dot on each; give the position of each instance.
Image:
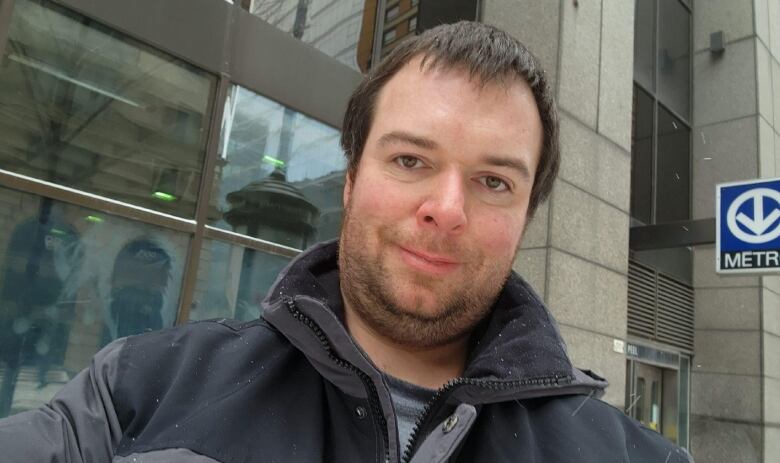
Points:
(294, 387)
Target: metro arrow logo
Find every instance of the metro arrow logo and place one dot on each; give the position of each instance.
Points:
(760, 226)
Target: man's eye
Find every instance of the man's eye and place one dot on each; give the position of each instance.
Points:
(408, 162)
(494, 183)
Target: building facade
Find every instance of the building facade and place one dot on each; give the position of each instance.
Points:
(162, 161)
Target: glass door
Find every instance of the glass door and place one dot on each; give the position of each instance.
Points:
(649, 390)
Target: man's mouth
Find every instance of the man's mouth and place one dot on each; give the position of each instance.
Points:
(427, 262)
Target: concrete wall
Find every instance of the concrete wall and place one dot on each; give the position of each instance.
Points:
(734, 384)
(575, 252)
(767, 21)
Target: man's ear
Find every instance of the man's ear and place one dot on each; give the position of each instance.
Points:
(347, 189)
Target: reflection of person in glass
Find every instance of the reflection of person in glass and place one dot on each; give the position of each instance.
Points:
(139, 282)
(408, 340)
(35, 315)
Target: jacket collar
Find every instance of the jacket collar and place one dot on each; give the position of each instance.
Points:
(518, 342)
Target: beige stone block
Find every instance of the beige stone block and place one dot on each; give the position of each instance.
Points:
(531, 264)
(729, 397)
(714, 441)
(578, 78)
(729, 352)
(617, 70)
(761, 8)
(766, 149)
(724, 87)
(595, 164)
(588, 227)
(733, 17)
(771, 444)
(771, 355)
(704, 275)
(764, 78)
(775, 73)
(591, 351)
(588, 296)
(727, 308)
(714, 159)
(536, 24)
(771, 310)
(535, 235)
(772, 400)
(774, 23)
(771, 282)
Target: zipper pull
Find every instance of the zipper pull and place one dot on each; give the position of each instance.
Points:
(445, 438)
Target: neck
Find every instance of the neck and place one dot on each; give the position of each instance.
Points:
(429, 367)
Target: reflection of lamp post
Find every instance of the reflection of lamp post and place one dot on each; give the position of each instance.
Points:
(274, 210)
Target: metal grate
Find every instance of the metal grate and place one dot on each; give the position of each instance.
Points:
(660, 308)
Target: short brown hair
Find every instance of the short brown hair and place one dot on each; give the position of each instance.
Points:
(490, 55)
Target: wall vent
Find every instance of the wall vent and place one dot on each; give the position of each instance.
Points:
(660, 308)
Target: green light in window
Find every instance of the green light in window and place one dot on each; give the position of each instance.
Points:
(94, 219)
(57, 231)
(163, 196)
(274, 161)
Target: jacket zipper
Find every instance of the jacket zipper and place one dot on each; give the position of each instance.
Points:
(373, 395)
(427, 414)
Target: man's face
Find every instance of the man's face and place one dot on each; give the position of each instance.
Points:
(435, 213)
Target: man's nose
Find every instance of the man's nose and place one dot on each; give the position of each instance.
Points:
(445, 206)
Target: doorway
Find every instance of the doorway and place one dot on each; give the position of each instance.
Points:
(653, 398)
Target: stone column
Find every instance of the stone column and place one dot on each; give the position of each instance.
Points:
(575, 252)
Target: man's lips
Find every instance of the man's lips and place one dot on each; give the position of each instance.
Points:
(429, 263)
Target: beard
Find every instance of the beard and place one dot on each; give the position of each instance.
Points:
(390, 299)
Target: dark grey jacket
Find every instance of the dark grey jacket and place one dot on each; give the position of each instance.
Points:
(294, 387)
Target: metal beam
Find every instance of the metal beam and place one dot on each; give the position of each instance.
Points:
(239, 45)
(672, 235)
(92, 201)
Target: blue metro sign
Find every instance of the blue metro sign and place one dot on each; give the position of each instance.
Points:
(748, 226)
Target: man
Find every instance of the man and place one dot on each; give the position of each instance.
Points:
(408, 340)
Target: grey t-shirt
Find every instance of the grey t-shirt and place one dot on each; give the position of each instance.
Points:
(409, 401)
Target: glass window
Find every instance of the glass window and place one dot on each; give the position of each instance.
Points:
(642, 158)
(392, 13)
(280, 174)
(233, 281)
(674, 62)
(413, 24)
(673, 169)
(84, 106)
(333, 27)
(71, 280)
(389, 36)
(644, 43)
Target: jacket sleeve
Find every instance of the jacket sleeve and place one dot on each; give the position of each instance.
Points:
(78, 425)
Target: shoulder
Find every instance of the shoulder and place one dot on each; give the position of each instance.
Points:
(180, 342)
(609, 429)
(568, 428)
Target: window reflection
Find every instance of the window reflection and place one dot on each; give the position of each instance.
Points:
(279, 175)
(674, 62)
(673, 168)
(642, 159)
(84, 106)
(233, 281)
(644, 43)
(71, 280)
(332, 27)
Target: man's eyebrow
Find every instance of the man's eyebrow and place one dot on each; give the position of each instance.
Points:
(406, 137)
(505, 161)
